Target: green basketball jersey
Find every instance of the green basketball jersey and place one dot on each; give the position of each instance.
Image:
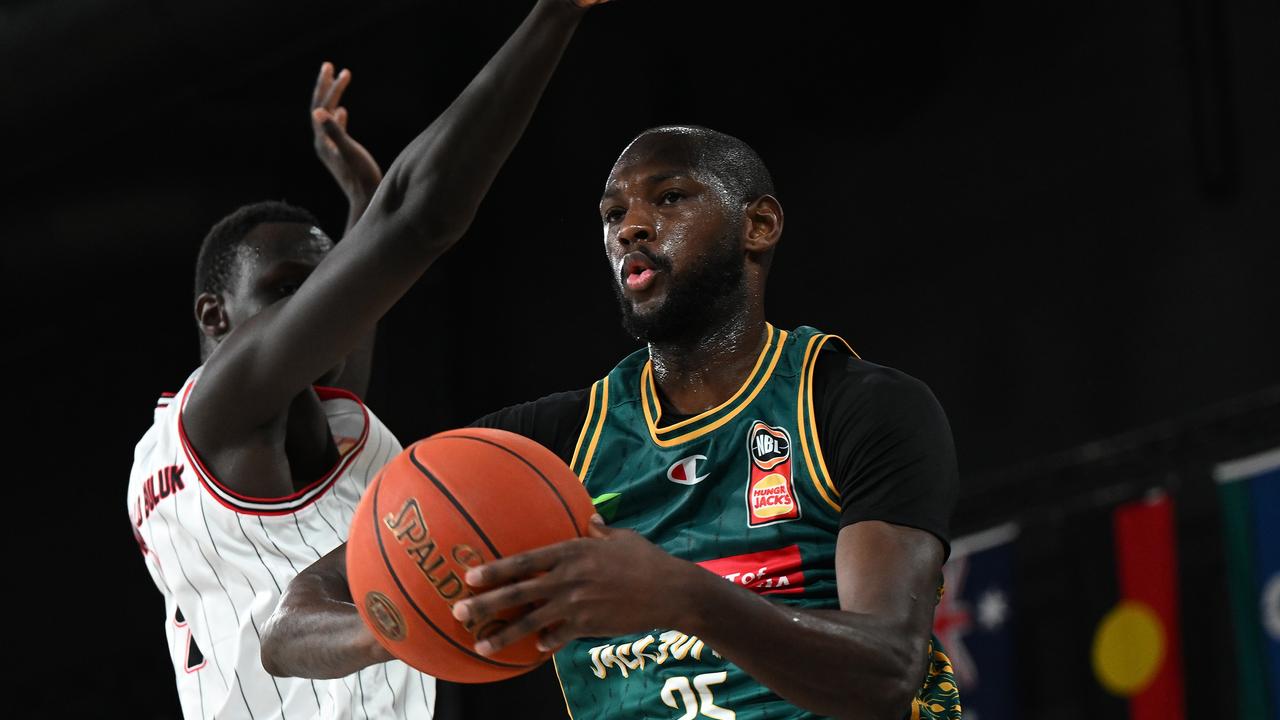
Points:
(743, 491)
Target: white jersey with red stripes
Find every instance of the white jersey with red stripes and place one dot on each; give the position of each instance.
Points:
(221, 559)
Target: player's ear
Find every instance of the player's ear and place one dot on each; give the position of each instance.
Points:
(211, 315)
(764, 224)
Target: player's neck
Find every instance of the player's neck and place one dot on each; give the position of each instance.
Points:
(697, 376)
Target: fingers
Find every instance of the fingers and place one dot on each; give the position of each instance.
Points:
(518, 567)
(555, 637)
(340, 115)
(332, 126)
(328, 90)
(528, 624)
(596, 527)
(479, 609)
(326, 121)
(323, 81)
(336, 88)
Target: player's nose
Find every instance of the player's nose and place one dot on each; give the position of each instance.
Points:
(636, 228)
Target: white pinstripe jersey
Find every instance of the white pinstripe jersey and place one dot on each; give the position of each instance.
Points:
(221, 560)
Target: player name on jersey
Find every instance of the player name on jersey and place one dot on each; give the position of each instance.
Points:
(221, 560)
(633, 656)
(769, 572)
(158, 486)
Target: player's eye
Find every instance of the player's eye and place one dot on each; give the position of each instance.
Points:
(670, 197)
(287, 289)
(613, 215)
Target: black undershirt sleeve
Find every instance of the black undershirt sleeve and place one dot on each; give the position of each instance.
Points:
(553, 421)
(887, 444)
(884, 437)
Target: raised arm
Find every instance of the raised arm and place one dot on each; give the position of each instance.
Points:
(351, 165)
(357, 174)
(423, 206)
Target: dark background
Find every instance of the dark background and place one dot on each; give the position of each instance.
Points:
(1063, 218)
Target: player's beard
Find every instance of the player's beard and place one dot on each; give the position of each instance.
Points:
(698, 299)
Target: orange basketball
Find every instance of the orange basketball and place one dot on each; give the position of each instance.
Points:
(449, 502)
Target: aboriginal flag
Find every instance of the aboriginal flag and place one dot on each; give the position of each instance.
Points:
(1249, 489)
(1098, 627)
(1136, 649)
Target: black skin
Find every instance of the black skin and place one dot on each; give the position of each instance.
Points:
(865, 660)
(281, 255)
(358, 174)
(253, 416)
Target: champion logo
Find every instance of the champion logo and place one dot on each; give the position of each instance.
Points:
(685, 470)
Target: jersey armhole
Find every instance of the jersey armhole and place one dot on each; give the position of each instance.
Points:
(592, 426)
(271, 506)
(807, 421)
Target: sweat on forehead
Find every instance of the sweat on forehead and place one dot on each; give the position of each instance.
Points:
(721, 159)
(674, 147)
(283, 239)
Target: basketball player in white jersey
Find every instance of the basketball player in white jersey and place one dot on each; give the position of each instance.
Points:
(251, 471)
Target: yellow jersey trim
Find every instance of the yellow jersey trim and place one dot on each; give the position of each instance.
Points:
(586, 424)
(760, 382)
(595, 435)
(563, 694)
(647, 373)
(801, 419)
(813, 420)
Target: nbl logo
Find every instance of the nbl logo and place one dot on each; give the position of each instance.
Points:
(771, 498)
(770, 446)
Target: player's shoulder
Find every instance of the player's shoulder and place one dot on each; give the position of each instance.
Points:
(546, 408)
(841, 368)
(844, 380)
(552, 420)
(164, 408)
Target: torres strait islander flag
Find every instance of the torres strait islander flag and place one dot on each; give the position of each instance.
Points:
(1136, 649)
(974, 622)
(1250, 492)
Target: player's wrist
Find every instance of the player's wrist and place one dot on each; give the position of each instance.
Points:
(567, 10)
(359, 195)
(370, 650)
(695, 599)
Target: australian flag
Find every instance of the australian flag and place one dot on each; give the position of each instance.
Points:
(974, 622)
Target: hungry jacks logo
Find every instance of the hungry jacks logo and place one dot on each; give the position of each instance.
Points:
(771, 497)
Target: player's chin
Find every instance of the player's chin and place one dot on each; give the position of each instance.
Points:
(330, 378)
(646, 303)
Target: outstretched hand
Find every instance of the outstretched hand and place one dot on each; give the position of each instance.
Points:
(613, 582)
(348, 161)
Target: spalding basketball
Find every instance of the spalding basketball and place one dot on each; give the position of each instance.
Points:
(453, 501)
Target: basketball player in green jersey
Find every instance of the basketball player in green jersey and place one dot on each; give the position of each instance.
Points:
(777, 508)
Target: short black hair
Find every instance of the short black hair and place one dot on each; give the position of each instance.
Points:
(216, 261)
(733, 162)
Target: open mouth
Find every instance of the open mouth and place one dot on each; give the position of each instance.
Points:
(638, 272)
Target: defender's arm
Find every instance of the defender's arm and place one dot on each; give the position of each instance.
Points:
(316, 631)
(424, 204)
(357, 174)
